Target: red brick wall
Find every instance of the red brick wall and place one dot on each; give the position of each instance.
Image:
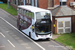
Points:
(55, 26)
(54, 29)
(68, 2)
(73, 23)
(56, 2)
(53, 22)
(43, 4)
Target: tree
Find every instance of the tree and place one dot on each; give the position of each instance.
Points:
(5, 1)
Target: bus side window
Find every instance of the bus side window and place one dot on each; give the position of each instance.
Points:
(32, 15)
(27, 13)
(24, 12)
(21, 22)
(17, 9)
(20, 11)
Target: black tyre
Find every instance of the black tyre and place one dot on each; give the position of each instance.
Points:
(29, 34)
(19, 28)
(48, 39)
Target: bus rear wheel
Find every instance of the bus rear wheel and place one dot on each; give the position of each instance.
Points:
(19, 28)
(29, 34)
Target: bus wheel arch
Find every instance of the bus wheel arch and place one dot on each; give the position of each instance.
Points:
(30, 34)
(19, 28)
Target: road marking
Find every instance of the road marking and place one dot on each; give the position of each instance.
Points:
(7, 31)
(24, 44)
(50, 45)
(21, 41)
(11, 43)
(13, 35)
(2, 46)
(44, 42)
(17, 38)
(23, 34)
(2, 35)
(28, 47)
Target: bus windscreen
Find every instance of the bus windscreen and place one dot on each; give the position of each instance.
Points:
(43, 23)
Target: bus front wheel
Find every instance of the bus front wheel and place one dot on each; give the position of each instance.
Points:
(48, 39)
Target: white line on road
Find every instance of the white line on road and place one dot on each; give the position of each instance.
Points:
(28, 47)
(24, 43)
(11, 43)
(23, 34)
(2, 34)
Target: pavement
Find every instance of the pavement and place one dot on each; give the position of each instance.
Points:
(55, 36)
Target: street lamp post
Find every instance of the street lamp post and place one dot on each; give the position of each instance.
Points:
(8, 4)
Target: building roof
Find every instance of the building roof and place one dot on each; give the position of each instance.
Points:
(32, 8)
(63, 11)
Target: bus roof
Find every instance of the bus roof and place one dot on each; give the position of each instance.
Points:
(32, 8)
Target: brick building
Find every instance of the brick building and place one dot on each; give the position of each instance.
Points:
(64, 19)
(46, 4)
(63, 14)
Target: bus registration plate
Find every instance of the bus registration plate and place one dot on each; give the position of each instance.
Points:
(43, 35)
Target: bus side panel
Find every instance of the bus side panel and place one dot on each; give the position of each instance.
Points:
(25, 19)
(29, 29)
(29, 22)
(18, 20)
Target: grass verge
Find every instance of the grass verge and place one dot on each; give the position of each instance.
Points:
(67, 39)
(10, 10)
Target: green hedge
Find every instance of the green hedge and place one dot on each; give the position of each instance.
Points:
(10, 10)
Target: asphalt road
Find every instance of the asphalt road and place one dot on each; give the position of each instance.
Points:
(12, 39)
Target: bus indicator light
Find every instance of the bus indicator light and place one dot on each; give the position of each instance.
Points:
(32, 27)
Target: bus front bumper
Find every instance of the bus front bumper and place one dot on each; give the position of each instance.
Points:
(43, 37)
